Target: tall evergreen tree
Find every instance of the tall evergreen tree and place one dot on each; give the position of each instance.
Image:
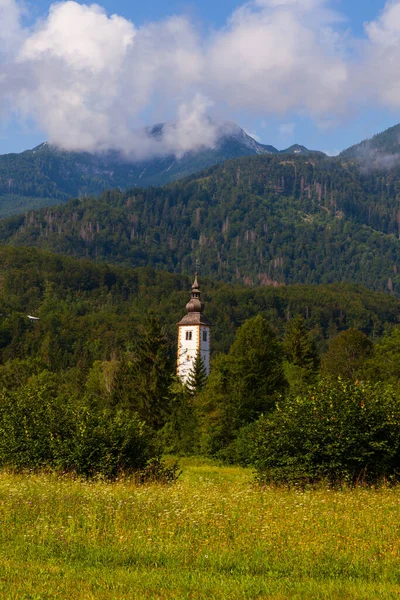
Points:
(298, 346)
(197, 377)
(152, 371)
(256, 368)
(301, 355)
(243, 384)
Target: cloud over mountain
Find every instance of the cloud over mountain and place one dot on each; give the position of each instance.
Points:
(92, 81)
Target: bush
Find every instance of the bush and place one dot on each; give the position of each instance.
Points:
(338, 431)
(41, 428)
(157, 471)
(106, 443)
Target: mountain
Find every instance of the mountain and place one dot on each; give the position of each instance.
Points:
(381, 150)
(46, 175)
(270, 219)
(297, 149)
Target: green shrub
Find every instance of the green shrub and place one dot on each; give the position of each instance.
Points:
(43, 428)
(337, 431)
(106, 443)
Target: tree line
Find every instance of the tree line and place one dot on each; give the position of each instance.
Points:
(278, 405)
(90, 387)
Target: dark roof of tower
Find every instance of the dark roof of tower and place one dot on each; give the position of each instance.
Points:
(194, 319)
(195, 307)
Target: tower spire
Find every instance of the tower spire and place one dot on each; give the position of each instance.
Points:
(193, 335)
(195, 305)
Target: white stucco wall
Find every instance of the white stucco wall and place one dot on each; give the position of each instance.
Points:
(205, 348)
(188, 349)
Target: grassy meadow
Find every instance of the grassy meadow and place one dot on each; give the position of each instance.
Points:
(211, 535)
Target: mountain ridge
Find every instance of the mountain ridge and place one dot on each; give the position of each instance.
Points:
(47, 175)
(373, 150)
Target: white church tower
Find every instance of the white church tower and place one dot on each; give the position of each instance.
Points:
(193, 336)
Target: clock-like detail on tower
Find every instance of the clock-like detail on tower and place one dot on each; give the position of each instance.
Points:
(193, 336)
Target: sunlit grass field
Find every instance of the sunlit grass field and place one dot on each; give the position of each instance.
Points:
(211, 535)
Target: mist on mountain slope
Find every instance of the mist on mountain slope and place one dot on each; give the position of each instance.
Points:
(382, 151)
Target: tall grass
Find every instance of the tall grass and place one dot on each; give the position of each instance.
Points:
(212, 535)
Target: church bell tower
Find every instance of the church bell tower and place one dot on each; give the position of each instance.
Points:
(193, 336)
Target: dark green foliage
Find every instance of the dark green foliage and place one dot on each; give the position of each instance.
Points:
(42, 426)
(15, 373)
(384, 364)
(242, 384)
(98, 353)
(180, 434)
(338, 432)
(197, 377)
(298, 346)
(347, 354)
(301, 354)
(255, 364)
(152, 370)
(107, 443)
(93, 312)
(139, 381)
(158, 471)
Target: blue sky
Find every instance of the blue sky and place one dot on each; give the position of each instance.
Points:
(331, 133)
(212, 12)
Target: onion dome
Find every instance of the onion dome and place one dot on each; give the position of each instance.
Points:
(195, 304)
(195, 308)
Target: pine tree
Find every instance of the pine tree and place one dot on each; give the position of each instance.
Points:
(152, 371)
(197, 378)
(298, 347)
(243, 384)
(256, 369)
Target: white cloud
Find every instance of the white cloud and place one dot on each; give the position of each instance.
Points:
(253, 135)
(82, 36)
(92, 81)
(277, 56)
(10, 30)
(71, 66)
(335, 152)
(192, 130)
(86, 79)
(385, 31)
(380, 75)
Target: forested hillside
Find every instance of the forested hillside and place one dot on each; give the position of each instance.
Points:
(385, 145)
(258, 220)
(47, 175)
(93, 312)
